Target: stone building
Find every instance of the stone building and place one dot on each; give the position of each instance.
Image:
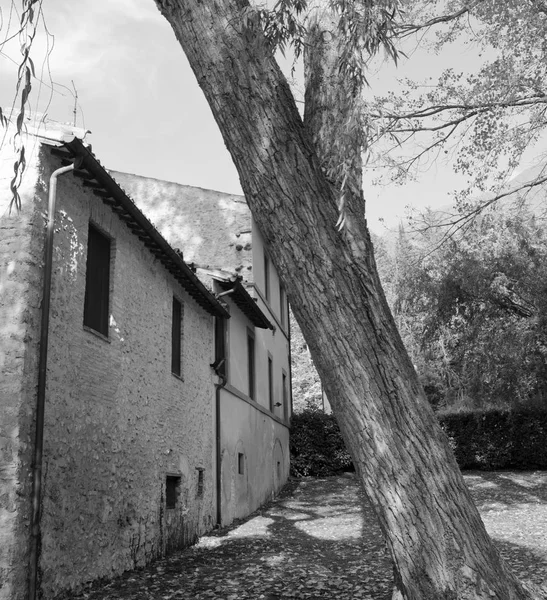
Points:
(133, 398)
(222, 241)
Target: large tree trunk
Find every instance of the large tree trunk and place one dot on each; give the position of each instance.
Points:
(438, 542)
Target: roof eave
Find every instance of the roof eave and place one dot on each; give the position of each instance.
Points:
(104, 186)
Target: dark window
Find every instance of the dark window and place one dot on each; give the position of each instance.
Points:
(200, 481)
(220, 346)
(285, 395)
(97, 281)
(251, 363)
(171, 490)
(282, 305)
(270, 383)
(266, 277)
(176, 334)
(240, 463)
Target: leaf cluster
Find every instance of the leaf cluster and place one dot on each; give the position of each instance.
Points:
(484, 114)
(473, 311)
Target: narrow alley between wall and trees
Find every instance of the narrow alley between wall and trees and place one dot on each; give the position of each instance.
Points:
(320, 539)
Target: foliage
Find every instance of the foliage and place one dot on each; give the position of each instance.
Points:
(316, 445)
(28, 24)
(498, 439)
(306, 385)
(481, 115)
(472, 312)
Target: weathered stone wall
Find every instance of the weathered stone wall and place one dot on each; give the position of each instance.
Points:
(117, 419)
(21, 251)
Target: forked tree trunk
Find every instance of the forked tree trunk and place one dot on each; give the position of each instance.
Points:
(438, 542)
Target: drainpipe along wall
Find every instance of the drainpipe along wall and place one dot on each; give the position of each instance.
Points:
(41, 395)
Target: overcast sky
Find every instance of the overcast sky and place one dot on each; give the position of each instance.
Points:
(139, 98)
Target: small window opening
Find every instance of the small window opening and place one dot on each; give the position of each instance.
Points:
(282, 305)
(278, 469)
(266, 277)
(200, 480)
(176, 338)
(240, 463)
(220, 346)
(285, 393)
(251, 364)
(270, 383)
(97, 281)
(172, 483)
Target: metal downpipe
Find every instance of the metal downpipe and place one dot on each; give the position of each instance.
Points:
(41, 394)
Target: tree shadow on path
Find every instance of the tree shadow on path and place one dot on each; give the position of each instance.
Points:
(320, 539)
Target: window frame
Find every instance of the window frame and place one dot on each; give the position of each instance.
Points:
(99, 269)
(282, 305)
(172, 493)
(221, 346)
(271, 397)
(251, 364)
(285, 393)
(267, 269)
(177, 315)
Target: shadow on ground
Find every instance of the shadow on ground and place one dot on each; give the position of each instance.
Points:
(320, 539)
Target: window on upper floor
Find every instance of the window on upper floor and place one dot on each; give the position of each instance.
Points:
(270, 383)
(282, 305)
(251, 363)
(97, 281)
(176, 338)
(285, 393)
(221, 358)
(266, 277)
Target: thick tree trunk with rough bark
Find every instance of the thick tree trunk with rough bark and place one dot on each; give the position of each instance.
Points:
(438, 542)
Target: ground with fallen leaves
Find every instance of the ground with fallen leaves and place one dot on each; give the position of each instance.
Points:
(320, 540)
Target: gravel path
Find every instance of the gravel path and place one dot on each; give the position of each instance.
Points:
(317, 542)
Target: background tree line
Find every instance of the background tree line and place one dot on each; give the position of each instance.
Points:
(471, 310)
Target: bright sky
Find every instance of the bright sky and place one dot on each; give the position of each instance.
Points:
(138, 96)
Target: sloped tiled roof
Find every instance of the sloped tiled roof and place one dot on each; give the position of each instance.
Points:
(212, 228)
(96, 177)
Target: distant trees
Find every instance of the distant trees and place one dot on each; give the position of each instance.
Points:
(472, 311)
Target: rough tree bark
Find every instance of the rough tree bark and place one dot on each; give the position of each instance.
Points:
(438, 542)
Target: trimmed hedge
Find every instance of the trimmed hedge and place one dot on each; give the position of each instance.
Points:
(498, 439)
(317, 448)
(486, 440)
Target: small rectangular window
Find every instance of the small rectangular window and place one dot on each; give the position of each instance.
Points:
(176, 337)
(97, 281)
(172, 483)
(200, 471)
(266, 277)
(240, 463)
(282, 305)
(220, 346)
(270, 383)
(285, 392)
(251, 363)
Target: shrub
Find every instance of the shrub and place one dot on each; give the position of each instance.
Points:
(498, 439)
(486, 440)
(317, 448)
